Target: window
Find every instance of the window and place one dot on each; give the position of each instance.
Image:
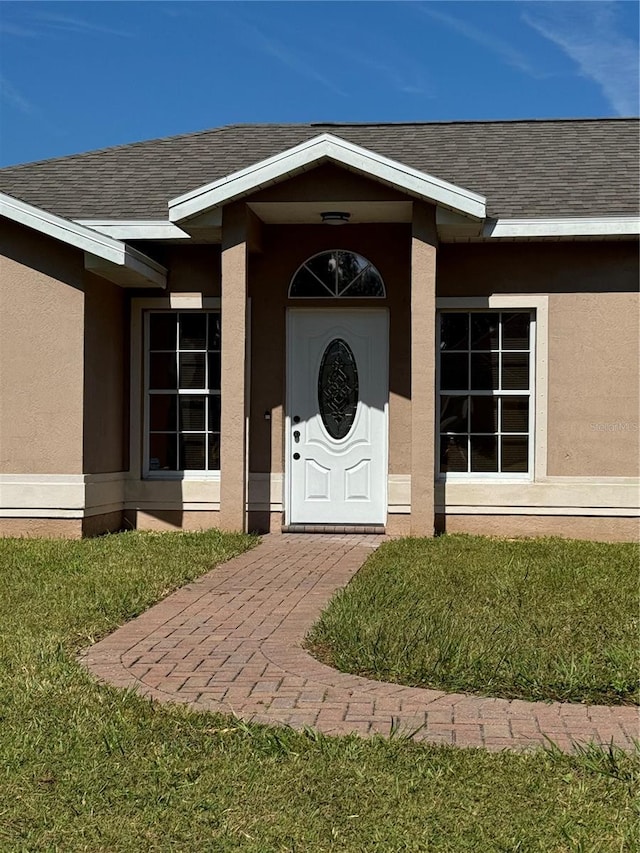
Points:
(338, 274)
(485, 396)
(182, 391)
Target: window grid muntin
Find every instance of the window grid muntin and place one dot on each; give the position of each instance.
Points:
(206, 392)
(500, 393)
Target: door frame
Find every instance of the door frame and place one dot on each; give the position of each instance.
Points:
(288, 480)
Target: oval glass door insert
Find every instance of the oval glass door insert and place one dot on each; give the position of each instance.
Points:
(338, 388)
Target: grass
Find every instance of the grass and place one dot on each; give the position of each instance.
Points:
(84, 767)
(529, 619)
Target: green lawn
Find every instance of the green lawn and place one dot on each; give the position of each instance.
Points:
(87, 768)
(529, 619)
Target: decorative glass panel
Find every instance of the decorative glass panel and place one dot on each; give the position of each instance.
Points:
(337, 274)
(338, 388)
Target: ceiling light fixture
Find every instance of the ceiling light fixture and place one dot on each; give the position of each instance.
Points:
(335, 217)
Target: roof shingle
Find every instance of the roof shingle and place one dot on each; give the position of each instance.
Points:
(535, 168)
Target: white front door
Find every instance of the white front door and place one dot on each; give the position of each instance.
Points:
(337, 398)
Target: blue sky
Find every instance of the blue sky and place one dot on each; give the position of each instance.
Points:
(81, 75)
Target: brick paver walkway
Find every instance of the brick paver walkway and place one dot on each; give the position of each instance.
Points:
(231, 642)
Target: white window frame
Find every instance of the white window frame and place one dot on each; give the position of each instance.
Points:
(141, 308)
(537, 305)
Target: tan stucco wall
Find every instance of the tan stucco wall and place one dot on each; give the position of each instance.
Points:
(594, 329)
(233, 369)
(424, 242)
(483, 268)
(190, 269)
(194, 269)
(41, 354)
(594, 405)
(284, 249)
(168, 519)
(327, 183)
(612, 529)
(106, 377)
(42, 528)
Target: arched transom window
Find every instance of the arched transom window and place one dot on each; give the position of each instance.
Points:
(337, 274)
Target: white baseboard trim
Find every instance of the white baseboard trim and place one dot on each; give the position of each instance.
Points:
(86, 495)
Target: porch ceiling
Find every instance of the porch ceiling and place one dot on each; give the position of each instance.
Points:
(308, 212)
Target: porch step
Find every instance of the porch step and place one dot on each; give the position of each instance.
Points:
(360, 529)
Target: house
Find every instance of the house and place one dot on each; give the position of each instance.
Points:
(325, 327)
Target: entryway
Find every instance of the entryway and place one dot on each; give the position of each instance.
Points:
(336, 446)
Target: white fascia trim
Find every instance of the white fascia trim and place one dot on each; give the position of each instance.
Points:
(100, 246)
(316, 150)
(136, 229)
(577, 226)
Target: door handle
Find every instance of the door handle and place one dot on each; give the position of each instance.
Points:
(296, 435)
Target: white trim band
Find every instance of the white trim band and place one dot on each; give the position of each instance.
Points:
(134, 229)
(578, 226)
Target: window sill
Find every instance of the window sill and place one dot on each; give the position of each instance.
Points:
(471, 479)
(181, 475)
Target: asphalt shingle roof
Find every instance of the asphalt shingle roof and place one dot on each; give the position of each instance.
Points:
(536, 168)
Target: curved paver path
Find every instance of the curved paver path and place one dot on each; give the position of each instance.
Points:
(231, 642)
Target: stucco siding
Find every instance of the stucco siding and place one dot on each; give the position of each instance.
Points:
(106, 417)
(41, 354)
(594, 407)
(479, 269)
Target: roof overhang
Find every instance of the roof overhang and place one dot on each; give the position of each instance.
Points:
(452, 228)
(322, 149)
(596, 227)
(105, 256)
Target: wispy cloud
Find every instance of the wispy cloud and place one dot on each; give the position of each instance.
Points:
(278, 50)
(589, 35)
(10, 95)
(505, 51)
(69, 24)
(17, 30)
(399, 73)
